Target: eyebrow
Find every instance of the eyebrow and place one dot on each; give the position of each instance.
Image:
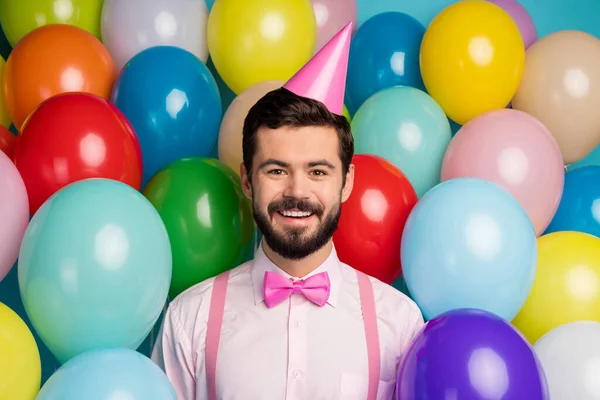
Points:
(311, 164)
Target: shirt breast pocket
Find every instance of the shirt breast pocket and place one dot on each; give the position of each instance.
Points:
(355, 387)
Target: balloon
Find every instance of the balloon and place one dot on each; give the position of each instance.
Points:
(7, 142)
(566, 285)
(4, 116)
(130, 26)
(514, 150)
(51, 60)
(580, 202)
(209, 220)
(561, 88)
(19, 358)
(230, 133)
(346, 114)
(74, 136)
(331, 16)
(19, 18)
(176, 116)
(94, 268)
(251, 41)
(372, 219)
(569, 355)
(104, 374)
(469, 244)
(521, 17)
(14, 214)
(384, 52)
(472, 59)
(592, 158)
(470, 354)
(408, 128)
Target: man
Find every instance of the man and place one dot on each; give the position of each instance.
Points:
(294, 323)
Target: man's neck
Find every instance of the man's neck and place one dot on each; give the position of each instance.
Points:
(299, 268)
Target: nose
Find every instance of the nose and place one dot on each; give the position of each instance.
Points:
(297, 187)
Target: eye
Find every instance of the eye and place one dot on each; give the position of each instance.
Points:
(276, 172)
(319, 172)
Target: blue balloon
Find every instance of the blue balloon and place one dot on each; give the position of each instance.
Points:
(94, 268)
(108, 374)
(468, 243)
(579, 208)
(173, 103)
(384, 52)
(408, 128)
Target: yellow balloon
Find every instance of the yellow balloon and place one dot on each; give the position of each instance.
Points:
(254, 41)
(472, 59)
(4, 117)
(346, 114)
(20, 365)
(566, 286)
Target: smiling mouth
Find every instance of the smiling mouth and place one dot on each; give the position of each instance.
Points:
(295, 214)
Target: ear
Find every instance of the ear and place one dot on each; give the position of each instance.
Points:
(246, 186)
(349, 183)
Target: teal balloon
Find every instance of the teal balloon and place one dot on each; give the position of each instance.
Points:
(107, 374)
(94, 268)
(408, 128)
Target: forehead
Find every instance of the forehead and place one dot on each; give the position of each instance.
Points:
(298, 145)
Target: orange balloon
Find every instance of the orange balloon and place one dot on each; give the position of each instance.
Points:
(55, 59)
(7, 141)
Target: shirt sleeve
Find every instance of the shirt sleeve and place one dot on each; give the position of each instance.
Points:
(413, 325)
(173, 354)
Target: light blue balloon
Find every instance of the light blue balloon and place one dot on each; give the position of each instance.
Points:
(408, 128)
(108, 374)
(548, 16)
(94, 268)
(469, 244)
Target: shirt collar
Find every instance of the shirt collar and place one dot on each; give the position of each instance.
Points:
(262, 263)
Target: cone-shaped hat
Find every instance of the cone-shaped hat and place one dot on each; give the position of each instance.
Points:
(323, 78)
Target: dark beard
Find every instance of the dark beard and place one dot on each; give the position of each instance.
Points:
(291, 244)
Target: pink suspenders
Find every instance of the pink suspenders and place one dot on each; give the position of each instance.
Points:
(215, 321)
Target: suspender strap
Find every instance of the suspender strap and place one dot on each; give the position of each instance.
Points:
(367, 300)
(213, 331)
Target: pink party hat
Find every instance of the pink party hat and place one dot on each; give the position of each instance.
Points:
(323, 78)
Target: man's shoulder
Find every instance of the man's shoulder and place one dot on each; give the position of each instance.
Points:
(199, 294)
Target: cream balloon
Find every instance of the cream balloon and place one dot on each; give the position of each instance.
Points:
(230, 134)
(570, 357)
(130, 26)
(561, 88)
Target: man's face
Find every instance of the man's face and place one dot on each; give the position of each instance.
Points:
(296, 188)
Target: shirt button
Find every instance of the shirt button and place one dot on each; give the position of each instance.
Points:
(296, 374)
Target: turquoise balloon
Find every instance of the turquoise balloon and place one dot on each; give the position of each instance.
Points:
(408, 128)
(94, 268)
(107, 374)
(468, 243)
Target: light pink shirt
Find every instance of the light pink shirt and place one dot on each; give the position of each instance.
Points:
(295, 350)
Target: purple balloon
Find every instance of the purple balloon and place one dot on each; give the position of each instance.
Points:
(521, 17)
(470, 354)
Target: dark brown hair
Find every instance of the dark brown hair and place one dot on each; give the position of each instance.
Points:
(281, 107)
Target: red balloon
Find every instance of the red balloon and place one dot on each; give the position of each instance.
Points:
(75, 136)
(7, 141)
(372, 219)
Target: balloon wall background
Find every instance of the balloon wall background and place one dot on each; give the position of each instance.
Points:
(477, 185)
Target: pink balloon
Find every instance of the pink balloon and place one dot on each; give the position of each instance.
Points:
(14, 213)
(332, 16)
(516, 151)
(521, 17)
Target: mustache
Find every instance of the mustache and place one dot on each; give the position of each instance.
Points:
(289, 203)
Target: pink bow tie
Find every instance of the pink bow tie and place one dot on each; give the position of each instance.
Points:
(277, 288)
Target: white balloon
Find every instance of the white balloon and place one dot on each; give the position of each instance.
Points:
(570, 357)
(131, 26)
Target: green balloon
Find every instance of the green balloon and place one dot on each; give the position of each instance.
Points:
(208, 218)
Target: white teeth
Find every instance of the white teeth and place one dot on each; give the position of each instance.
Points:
(296, 214)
